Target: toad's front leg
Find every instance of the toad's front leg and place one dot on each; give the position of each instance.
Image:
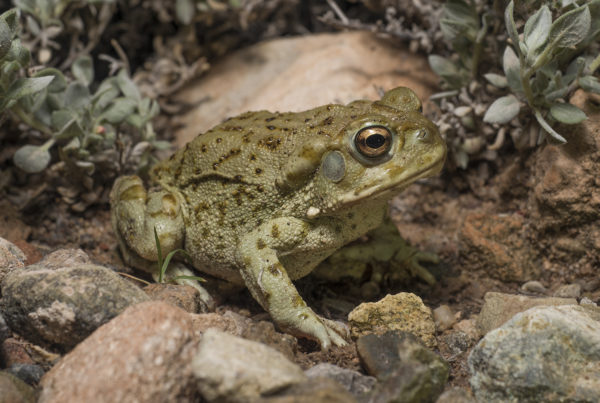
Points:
(270, 285)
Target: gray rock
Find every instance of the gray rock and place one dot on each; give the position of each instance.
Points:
(142, 355)
(408, 371)
(353, 381)
(499, 308)
(28, 373)
(11, 258)
(547, 353)
(232, 369)
(60, 307)
(568, 291)
(14, 390)
(458, 342)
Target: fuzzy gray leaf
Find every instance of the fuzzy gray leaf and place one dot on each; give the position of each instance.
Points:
(590, 84)
(185, 10)
(570, 28)
(5, 38)
(127, 86)
(447, 70)
(120, 109)
(512, 68)
(32, 159)
(546, 126)
(511, 28)
(537, 29)
(83, 70)
(502, 110)
(496, 80)
(567, 113)
(27, 86)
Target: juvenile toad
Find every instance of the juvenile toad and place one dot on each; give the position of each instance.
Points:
(264, 197)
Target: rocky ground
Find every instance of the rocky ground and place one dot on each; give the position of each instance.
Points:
(512, 317)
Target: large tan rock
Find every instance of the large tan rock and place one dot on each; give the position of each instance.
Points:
(295, 74)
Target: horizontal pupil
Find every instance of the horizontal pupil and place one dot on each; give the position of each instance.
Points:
(375, 141)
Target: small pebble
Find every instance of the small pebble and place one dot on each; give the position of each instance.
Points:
(568, 291)
(533, 287)
(443, 318)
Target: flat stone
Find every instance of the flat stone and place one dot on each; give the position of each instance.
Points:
(352, 381)
(142, 355)
(403, 312)
(568, 291)
(288, 74)
(229, 368)
(499, 308)
(547, 353)
(59, 307)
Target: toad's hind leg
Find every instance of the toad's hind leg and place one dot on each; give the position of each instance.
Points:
(135, 214)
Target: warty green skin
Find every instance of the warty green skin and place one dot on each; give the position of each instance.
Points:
(252, 202)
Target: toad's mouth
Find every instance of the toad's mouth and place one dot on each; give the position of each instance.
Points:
(386, 190)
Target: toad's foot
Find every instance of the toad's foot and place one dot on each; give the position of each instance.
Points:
(270, 285)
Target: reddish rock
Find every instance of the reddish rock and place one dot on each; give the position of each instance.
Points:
(143, 355)
(14, 352)
(496, 243)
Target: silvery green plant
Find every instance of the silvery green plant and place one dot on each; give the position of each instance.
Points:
(14, 58)
(544, 62)
(541, 69)
(88, 128)
(465, 31)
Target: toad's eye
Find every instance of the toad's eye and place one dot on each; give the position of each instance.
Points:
(373, 141)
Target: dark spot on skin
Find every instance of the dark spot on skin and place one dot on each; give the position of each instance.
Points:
(260, 188)
(258, 171)
(352, 116)
(275, 269)
(253, 157)
(328, 121)
(329, 107)
(298, 302)
(238, 178)
(321, 132)
(306, 120)
(203, 148)
(270, 119)
(219, 246)
(205, 232)
(350, 215)
(275, 231)
(338, 229)
(260, 244)
(353, 226)
(218, 140)
(215, 166)
(177, 172)
(171, 157)
(271, 127)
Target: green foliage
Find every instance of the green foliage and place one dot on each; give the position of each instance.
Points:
(186, 10)
(163, 265)
(83, 119)
(545, 61)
